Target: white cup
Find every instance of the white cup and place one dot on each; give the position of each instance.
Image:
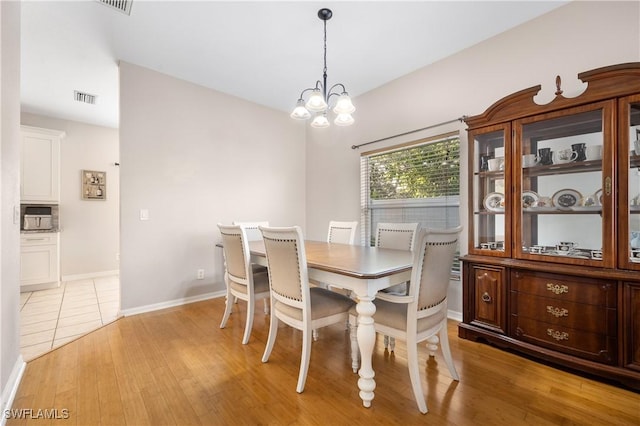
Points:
(529, 160)
(593, 152)
(496, 164)
(562, 156)
(636, 146)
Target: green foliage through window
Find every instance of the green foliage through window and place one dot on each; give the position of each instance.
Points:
(424, 171)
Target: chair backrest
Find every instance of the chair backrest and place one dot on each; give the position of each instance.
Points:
(398, 236)
(342, 232)
(251, 229)
(236, 252)
(287, 265)
(433, 257)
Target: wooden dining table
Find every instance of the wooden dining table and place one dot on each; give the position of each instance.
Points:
(364, 271)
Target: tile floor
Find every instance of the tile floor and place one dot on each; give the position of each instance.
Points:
(51, 318)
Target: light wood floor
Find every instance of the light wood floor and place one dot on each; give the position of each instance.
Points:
(177, 367)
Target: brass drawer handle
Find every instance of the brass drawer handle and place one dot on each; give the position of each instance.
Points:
(557, 312)
(557, 288)
(558, 335)
(486, 297)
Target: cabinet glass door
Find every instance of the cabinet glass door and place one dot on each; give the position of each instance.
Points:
(490, 212)
(565, 187)
(629, 220)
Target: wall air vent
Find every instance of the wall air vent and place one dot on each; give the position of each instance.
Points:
(123, 6)
(84, 97)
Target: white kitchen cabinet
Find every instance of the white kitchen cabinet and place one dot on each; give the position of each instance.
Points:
(40, 165)
(39, 261)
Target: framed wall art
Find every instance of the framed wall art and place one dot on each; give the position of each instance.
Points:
(94, 185)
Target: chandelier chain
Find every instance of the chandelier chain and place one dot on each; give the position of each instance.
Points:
(324, 71)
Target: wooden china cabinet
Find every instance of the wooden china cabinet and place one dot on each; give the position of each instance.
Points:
(553, 268)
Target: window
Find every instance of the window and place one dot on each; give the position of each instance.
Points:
(415, 183)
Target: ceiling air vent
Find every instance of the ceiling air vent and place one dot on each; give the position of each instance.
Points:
(123, 6)
(84, 97)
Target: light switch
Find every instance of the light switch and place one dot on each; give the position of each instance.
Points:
(144, 214)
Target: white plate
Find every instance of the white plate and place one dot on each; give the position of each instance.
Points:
(529, 199)
(494, 202)
(565, 199)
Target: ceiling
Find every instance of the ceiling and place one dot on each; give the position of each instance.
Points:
(265, 52)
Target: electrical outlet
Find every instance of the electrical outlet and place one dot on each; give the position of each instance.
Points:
(201, 274)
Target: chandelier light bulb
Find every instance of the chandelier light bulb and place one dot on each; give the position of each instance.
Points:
(320, 121)
(316, 102)
(344, 105)
(343, 120)
(300, 112)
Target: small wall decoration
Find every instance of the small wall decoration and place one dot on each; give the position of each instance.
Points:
(94, 185)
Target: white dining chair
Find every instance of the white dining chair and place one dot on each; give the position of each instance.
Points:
(338, 233)
(396, 236)
(240, 279)
(253, 234)
(342, 232)
(293, 301)
(422, 314)
(251, 229)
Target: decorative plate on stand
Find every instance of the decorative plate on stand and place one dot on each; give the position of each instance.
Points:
(565, 199)
(494, 202)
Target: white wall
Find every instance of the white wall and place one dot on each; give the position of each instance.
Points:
(10, 359)
(195, 157)
(577, 37)
(89, 237)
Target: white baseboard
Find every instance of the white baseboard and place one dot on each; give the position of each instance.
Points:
(76, 277)
(10, 390)
(172, 303)
(454, 315)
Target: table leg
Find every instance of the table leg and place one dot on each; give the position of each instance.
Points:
(366, 340)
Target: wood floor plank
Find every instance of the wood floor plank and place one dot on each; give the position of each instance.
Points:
(177, 366)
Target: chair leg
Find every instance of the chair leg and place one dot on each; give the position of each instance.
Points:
(389, 343)
(227, 310)
(266, 306)
(414, 374)
(355, 350)
(432, 344)
(304, 360)
(446, 352)
(273, 331)
(314, 332)
(251, 303)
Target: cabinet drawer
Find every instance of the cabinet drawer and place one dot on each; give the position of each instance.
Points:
(38, 239)
(563, 287)
(579, 316)
(593, 346)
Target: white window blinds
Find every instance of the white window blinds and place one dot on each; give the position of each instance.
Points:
(418, 182)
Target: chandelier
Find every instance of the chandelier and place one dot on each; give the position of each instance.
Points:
(319, 98)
